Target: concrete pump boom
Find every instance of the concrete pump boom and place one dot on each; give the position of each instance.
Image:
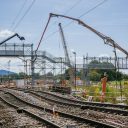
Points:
(107, 40)
(21, 38)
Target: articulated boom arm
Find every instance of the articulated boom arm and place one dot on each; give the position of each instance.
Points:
(64, 45)
(107, 40)
(68, 62)
(20, 37)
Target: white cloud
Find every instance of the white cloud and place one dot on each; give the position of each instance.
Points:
(15, 64)
(104, 55)
(5, 33)
(72, 50)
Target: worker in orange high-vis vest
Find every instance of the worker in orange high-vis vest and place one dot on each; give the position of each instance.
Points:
(103, 81)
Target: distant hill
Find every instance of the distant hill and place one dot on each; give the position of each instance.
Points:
(5, 72)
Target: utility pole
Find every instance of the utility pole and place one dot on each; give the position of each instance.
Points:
(87, 71)
(75, 67)
(9, 72)
(84, 70)
(61, 73)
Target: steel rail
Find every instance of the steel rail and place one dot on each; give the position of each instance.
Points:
(89, 103)
(31, 114)
(76, 103)
(78, 118)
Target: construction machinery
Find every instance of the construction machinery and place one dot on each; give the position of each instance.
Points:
(107, 40)
(67, 59)
(20, 37)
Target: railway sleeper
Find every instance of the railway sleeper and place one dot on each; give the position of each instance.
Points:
(121, 112)
(91, 122)
(21, 110)
(89, 103)
(97, 108)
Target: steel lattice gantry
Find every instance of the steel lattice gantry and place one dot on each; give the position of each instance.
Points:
(19, 50)
(104, 63)
(26, 50)
(16, 50)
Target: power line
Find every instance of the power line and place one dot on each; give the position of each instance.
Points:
(24, 14)
(18, 14)
(54, 23)
(85, 13)
(93, 8)
(73, 6)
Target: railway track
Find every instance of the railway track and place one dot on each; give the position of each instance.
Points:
(125, 107)
(91, 114)
(122, 107)
(118, 106)
(9, 118)
(80, 121)
(118, 121)
(23, 107)
(109, 108)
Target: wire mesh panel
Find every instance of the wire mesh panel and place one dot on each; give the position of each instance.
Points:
(15, 50)
(105, 63)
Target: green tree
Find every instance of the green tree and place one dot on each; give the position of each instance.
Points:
(67, 76)
(94, 75)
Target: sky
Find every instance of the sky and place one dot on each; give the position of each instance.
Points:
(110, 18)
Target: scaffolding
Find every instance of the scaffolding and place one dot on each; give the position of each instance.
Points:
(57, 65)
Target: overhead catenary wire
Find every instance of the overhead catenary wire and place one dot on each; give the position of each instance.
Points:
(26, 12)
(70, 9)
(93, 8)
(57, 31)
(107, 40)
(18, 14)
(85, 13)
(73, 6)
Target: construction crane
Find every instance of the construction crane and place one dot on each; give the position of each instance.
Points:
(20, 37)
(68, 62)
